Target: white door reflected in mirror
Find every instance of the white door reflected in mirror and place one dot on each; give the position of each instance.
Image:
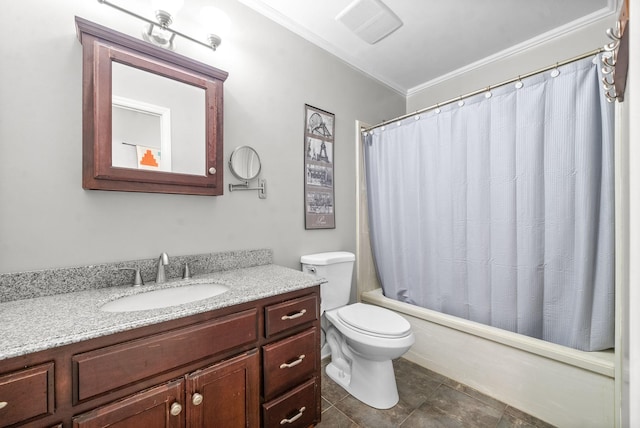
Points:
(158, 123)
(143, 132)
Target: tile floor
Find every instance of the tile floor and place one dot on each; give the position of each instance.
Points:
(427, 399)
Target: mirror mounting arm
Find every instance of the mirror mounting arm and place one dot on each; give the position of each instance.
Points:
(262, 187)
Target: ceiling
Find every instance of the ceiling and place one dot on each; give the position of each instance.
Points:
(437, 38)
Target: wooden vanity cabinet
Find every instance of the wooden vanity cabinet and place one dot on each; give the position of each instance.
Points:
(254, 364)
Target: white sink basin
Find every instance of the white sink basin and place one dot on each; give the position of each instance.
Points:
(164, 298)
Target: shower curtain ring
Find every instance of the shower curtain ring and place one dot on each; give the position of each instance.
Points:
(608, 83)
(609, 61)
(519, 83)
(461, 102)
(437, 110)
(610, 47)
(612, 35)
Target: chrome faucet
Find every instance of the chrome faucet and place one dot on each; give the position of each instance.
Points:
(162, 262)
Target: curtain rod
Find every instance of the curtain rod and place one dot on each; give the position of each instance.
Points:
(480, 91)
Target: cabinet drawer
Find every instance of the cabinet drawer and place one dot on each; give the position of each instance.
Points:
(289, 314)
(105, 369)
(289, 361)
(297, 408)
(26, 394)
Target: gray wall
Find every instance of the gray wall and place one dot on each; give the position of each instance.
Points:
(48, 220)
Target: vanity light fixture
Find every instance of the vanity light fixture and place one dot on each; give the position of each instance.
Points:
(159, 33)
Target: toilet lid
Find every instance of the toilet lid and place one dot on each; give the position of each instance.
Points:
(374, 320)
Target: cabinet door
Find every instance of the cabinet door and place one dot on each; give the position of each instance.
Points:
(225, 394)
(160, 406)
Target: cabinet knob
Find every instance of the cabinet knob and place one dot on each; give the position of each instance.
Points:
(212, 170)
(196, 399)
(176, 409)
(293, 418)
(3, 404)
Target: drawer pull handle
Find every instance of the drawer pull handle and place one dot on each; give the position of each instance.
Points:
(176, 409)
(3, 404)
(294, 316)
(293, 363)
(197, 399)
(294, 418)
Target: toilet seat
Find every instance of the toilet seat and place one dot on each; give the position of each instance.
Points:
(374, 321)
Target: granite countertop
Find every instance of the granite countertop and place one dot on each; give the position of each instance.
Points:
(32, 325)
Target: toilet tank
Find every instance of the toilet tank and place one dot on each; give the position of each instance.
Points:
(337, 268)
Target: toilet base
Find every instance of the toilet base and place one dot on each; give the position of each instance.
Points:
(372, 382)
(325, 351)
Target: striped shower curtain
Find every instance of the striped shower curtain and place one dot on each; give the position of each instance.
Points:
(501, 210)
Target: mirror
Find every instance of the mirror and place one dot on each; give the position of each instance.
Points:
(244, 163)
(152, 119)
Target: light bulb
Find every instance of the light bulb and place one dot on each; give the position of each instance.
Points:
(170, 6)
(215, 21)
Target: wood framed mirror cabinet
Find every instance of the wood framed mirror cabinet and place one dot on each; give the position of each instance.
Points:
(128, 146)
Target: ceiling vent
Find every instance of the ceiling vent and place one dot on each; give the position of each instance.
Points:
(371, 20)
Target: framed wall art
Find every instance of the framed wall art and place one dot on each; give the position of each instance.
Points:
(319, 207)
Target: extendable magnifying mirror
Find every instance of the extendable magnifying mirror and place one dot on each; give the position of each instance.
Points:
(245, 165)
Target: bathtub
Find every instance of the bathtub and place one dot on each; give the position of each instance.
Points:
(562, 386)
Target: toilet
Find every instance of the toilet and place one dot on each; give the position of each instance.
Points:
(362, 339)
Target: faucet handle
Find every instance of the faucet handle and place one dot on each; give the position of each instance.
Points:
(186, 274)
(138, 279)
